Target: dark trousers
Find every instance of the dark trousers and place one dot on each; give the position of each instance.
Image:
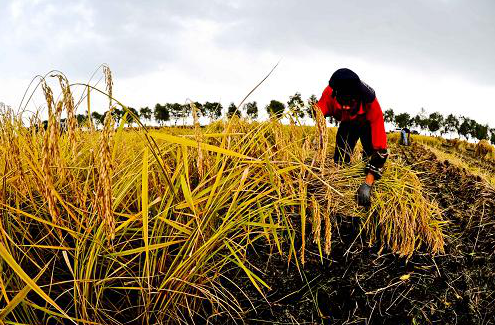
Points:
(347, 136)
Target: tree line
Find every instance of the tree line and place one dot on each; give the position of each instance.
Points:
(436, 123)
(174, 112)
(298, 108)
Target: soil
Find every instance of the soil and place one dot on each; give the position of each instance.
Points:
(365, 286)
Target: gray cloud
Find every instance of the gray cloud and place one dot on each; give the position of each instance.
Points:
(77, 36)
(431, 35)
(136, 37)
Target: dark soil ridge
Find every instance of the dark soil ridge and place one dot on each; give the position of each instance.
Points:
(365, 286)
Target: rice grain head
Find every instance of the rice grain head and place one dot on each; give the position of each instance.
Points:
(104, 188)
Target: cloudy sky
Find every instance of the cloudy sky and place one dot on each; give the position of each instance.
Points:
(436, 54)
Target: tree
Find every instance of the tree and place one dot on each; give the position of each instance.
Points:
(185, 112)
(176, 111)
(275, 109)
(161, 113)
(97, 118)
(450, 124)
(420, 120)
(492, 137)
(251, 110)
(130, 118)
(403, 120)
(81, 119)
(296, 106)
(435, 122)
(232, 110)
(145, 113)
(480, 131)
(465, 129)
(199, 108)
(213, 110)
(117, 115)
(312, 100)
(389, 116)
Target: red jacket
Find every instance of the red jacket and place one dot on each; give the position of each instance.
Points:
(369, 111)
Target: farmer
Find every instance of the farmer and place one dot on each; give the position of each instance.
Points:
(354, 104)
(405, 136)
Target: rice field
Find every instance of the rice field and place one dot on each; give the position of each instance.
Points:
(157, 226)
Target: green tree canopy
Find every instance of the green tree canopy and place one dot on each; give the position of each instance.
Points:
(451, 124)
(312, 100)
(212, 110)
(131, 118)
(481, 131)
(176, 111)
(251, 110)
(275, 109)
(296, 105)
(232, 110)
(97, 118)
(161, 113)
(145, 113)
(389, 116)
(403, 120)
(81, 119)
(435, 122)
(465, 128)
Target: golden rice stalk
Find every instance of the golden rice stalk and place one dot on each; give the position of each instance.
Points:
(328, 224)
(109, 83)
(322, 137)
(484, 150)
(199, 138)
(88, 98)
(406, 217)
(104, 187)
(50, 153)
(303, 188)
(316, 224)
(11, 135)
(68, 101)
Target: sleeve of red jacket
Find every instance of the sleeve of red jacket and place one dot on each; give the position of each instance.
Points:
(378, 135)
(324, 104)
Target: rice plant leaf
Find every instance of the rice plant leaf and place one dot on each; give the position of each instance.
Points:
(52, 313)
(215, 185)
(239, 189)
(152, 247)
(32, 284)
(144, 205)
(75, 234)
(62, 248)
(19, 297)
(215, 135)
(176, 225)
(187, 193)
(286, 170)
(253, 277)
(195, 144)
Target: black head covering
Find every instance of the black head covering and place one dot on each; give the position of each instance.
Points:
(346, 84)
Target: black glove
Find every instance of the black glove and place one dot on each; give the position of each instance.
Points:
(376, 162)
(364, 195)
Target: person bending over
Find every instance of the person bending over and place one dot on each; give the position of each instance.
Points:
(354, 103)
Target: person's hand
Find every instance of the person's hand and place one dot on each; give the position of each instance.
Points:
(364, 195)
